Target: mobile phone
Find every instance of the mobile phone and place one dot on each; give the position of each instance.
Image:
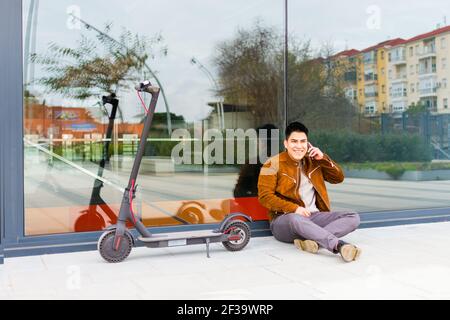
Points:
(309, 149)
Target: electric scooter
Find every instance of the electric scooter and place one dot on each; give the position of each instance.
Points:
(117, 241)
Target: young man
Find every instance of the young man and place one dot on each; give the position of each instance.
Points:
(292, 186)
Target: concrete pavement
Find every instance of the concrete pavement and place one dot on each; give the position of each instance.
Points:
(402, 262)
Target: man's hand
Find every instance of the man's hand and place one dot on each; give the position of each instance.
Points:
(303, 212)
(314, 152)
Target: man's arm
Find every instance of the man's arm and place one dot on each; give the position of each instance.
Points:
(331, 171)
(267, 184)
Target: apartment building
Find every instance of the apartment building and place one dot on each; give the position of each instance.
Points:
(372, 78)
(419, 72)
(346, 70)
(393, 75)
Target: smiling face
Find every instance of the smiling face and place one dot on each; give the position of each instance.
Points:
(297, 145)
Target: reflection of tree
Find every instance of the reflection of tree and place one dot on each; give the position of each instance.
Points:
(97, 66)
(316, 91)
(251, 73)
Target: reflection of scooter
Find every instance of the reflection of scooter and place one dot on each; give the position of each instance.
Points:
(92, 220)
(117, 241)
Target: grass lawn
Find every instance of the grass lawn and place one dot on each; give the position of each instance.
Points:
(396, 169)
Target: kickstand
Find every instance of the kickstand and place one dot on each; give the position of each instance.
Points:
(207, 248)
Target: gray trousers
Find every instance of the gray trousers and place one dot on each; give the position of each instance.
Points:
(323, 227)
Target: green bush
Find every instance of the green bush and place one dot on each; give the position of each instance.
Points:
(345, 146)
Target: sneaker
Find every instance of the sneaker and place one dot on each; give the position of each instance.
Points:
(348, 251)
(307, 245)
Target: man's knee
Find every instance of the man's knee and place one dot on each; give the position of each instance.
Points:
(294, 218)
(355, 220)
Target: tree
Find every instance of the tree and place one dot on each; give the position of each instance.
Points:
(316, 88)
(250, 71)
(250, 68)
(97, 66)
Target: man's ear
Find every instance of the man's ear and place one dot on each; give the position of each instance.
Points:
(285, 144)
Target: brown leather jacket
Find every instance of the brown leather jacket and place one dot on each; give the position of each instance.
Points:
(279, 183)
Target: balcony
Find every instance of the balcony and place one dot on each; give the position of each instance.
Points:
(428, 92)
(400, 79)
(427, 52)
(371, 95)
(350, 76)
(399, 96)
(428, 86)
(397, 60)
(427, 71)
(370, 80)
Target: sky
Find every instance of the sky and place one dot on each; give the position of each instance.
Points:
(194, 29)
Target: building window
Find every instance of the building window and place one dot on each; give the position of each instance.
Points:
(443, 43)
(382, 55)
(382, 71)
(412, 88)
(390, 74)
(417, 49)
(411, 69)
(383, 89)
(444, 63)
(445, 103)
(444, 83)
(411, 51)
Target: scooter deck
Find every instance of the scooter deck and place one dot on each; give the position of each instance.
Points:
(201, 234)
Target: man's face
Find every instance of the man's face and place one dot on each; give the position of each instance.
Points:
(297, 145)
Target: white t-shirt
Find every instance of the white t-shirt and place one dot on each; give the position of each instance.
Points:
(308, 193)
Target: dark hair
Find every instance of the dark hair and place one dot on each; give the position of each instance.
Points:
(296, 127)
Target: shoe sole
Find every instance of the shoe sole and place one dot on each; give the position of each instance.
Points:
(307, 245)
(350, 253)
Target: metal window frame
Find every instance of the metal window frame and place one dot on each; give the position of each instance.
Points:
(13, 242)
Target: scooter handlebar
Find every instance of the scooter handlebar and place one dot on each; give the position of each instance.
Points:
(146, 86)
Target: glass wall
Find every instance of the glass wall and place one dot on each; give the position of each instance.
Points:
(220, 67)
(371, 84)
(369, 80)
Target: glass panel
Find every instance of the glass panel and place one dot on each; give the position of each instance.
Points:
(219, 65)
(392, 143)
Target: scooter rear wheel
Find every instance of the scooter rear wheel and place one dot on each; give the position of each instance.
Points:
(106, 247)
(237, 228)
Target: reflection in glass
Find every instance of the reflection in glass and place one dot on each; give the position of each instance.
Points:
(78, 156)
(371, 96)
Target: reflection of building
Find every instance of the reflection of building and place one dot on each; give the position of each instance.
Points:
(396, 74)
(234, 117)
(372, 65)
(419, 72)
(345, 63)
(44, 121)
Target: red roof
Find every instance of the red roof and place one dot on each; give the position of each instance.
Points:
(346, 53)
(393, 42)
(430, 34)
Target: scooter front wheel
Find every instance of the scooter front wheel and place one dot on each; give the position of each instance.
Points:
(107, 250)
